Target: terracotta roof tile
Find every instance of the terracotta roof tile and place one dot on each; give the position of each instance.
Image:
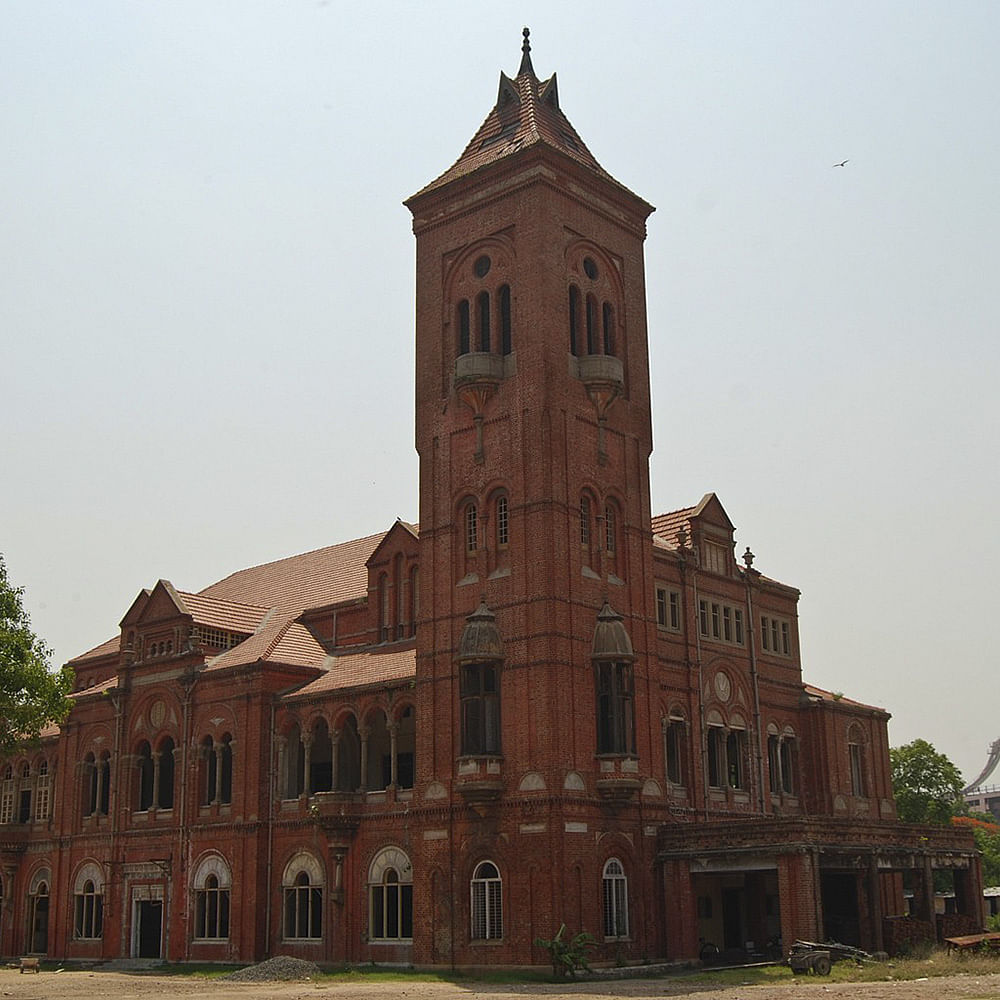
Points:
(815, 692)
(311, 580)
(666, 526)
(107, 648)
(526, 114)
(231, 615)
(285, 642)
(105, 685)
(357, 669)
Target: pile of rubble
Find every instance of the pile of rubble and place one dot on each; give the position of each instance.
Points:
(279, 969)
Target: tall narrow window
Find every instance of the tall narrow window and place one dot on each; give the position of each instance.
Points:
(383, 607)
(716, 756)
(487, 902)
(303, 908)
(226, 770)
(615, 900)
(390, 897)
(43, 791)
(397, 587)
(505, 322)
(144, 797)
(736, 743)
(608, 317)
(480, 696)
(591, 325)
(24, 803)
(211, 901)
(787, 757)
(856, 758)
(483, 303)
(501, 521)
(166, 762)
(7, 796)
(615, 722)
(675, 738)
(774, 764)
(104, 784)
(414, 599)
(464, 328)
(210, 771)
(574, 320)
(471, 528)
(610, 530)
(88, 922)
(89, 785)
(585, 522)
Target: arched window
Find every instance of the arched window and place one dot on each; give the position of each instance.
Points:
(610, 530)
(7, 796)
(303, 898)
(43, 791)
(212, 884)
(24, 802)
(487, 902)
(608, 317)
(348, 777)
(483, 308)
(414, 599)
(464, 328)
(480, 697)
(615, 887)
(857, 761)
(144, 768)
(88, 903)
(210, 770)
(585, 528)
(38, 913)
(89, 785)
(378, 773)
(165, 798)
(226, 770)
(397, 595)
(383, 607)
(505, 321)
(591, 325)
(390, 897)
(574, 320)
(293, 753)
(781, 760)
(675, 739)
(471, 528)
(502, 522)
(320, 759)
(104, 784)
(406, 744)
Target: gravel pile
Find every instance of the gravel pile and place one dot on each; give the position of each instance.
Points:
(279, 969)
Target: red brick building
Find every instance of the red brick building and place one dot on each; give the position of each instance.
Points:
(547, 705)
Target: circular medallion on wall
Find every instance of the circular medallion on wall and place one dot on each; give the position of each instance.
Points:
(723, 687)
(157, 714)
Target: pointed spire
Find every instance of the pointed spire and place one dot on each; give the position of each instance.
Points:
(526, 66)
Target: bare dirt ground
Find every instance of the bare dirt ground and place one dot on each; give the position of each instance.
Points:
(129, 986)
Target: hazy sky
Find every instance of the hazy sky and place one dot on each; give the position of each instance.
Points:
(206, 295)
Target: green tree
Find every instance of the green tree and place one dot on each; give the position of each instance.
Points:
(31, 695)
(927, 786)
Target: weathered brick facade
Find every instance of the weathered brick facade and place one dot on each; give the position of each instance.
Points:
(545, 705)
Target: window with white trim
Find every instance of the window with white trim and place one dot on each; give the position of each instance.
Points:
(7, 796)
(615, 886)
(390, 897)
(303, 905)
(43, 791)
(487, 902)
(721, 622)
(668, 608)
(88, 917)
(775, 635)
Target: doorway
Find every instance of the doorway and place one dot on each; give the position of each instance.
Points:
(148, 930)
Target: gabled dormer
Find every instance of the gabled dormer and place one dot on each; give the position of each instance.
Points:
(712, 536)
(394, 584)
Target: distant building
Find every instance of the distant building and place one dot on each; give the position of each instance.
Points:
(544, 705)
(981, 796)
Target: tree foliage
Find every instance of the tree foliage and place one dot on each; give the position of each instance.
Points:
(927, 786)
(31, 695)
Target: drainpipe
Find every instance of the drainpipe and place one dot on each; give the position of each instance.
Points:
(755, 680)
(183, 833)
(268, 896)
(702, 741)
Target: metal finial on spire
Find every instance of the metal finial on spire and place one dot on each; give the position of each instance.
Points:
(526, 66)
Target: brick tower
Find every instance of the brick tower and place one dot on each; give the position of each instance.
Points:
(533, 431)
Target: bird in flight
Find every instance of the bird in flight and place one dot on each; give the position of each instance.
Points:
(842, 162)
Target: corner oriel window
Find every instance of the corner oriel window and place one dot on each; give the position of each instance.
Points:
(615, 720)
(480, 695)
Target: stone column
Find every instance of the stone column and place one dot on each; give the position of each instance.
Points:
(363, 735)
(156, 781)
(335, 759)
(393, 769)
(875, 903)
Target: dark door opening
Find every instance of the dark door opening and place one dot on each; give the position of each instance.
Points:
(732, 918)
(840, 908)
(149, 913)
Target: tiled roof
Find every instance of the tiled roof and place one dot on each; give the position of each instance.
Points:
(666, 526)
(106, 648)
(216, 613)
(105, 685)
(815, 692)
(311, 580)
(356, 669)
(526, 114)
(285, 642)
